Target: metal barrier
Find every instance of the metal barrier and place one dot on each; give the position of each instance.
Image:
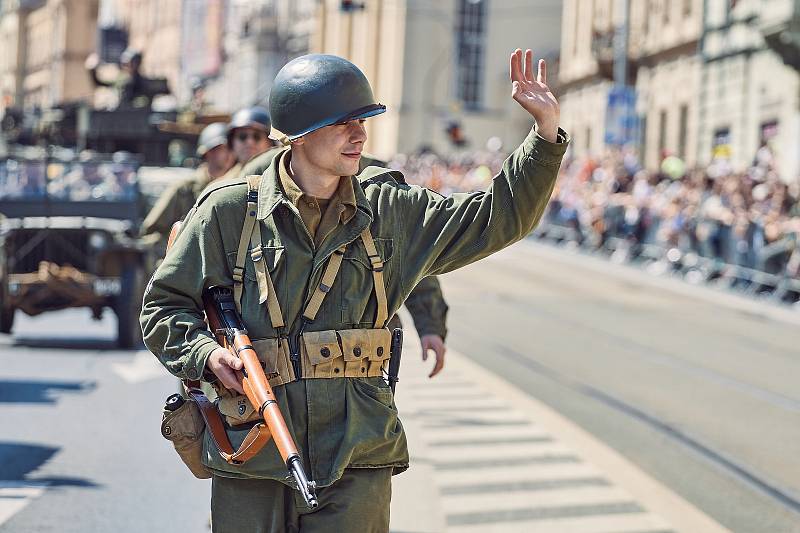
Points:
(687, 265)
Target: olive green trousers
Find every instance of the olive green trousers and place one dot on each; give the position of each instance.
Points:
(357, 502)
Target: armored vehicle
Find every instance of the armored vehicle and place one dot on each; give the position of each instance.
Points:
(68, 230)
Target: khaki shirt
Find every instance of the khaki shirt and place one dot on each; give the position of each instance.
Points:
(345, 422)
(320, 216)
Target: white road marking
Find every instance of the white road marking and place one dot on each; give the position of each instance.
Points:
(499, 501)
(502, 451)
(565, 481)
(512, 474)
(15, 495)
(144, 367)
(622, 523)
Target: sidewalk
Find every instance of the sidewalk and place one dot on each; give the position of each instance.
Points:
(486, 457)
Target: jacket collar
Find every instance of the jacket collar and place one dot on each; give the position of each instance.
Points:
(271, 194)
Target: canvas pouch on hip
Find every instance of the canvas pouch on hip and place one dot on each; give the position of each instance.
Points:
(184, 427)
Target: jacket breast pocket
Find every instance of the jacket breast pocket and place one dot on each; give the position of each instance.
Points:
(253, 312)
(356, 284)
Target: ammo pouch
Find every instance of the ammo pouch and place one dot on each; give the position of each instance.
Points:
(184, 427)
(350, 353)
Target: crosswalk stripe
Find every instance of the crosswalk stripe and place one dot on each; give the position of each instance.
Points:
(525, 485)
(492, 516)
(504, 451)
(15, 495)
(490, 440)
(515, 462)
(476, 433)
(465, 503)
(621, 523)
(447, 478)
(499, 467)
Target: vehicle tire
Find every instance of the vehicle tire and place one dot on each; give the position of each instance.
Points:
(6, 319)
(128, 305)
(6, 313)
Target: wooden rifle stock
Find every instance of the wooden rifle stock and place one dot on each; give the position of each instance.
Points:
(224, 321)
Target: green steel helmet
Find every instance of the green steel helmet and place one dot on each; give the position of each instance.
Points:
(250, 117)
(318, 90)
(213, 135)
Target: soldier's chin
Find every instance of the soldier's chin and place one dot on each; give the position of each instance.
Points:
(349, 167)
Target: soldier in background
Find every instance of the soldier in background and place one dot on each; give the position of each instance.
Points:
(248, 133)
(177, 200)
(133, 89)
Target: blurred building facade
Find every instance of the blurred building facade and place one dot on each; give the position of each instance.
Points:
(748, 95)
(44, 44)
(707, 85)
(260, 36)
(440, 67)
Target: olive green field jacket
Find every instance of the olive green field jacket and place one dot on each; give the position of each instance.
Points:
(344, 422)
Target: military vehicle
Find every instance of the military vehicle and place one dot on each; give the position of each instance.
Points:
(68, 229)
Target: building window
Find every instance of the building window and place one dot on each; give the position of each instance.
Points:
(662, 133)
(687, 7)
(643, 138)
(589, 140)
(683, 131)
(666, 12)
(470, 49)
(575, 39)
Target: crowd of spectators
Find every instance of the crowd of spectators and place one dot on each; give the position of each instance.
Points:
(748, 218)
(465, 172)
(83, 180)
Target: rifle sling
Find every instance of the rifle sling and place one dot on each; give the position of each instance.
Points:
(255, 439)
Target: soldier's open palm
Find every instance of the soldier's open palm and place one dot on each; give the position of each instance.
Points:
(533, 94)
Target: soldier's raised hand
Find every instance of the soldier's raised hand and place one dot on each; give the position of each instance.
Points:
(533, 94)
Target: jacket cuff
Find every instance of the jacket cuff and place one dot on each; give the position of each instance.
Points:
(548, 153)
(433, 329)
(196, 366)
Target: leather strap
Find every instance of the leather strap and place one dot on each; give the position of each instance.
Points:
(255, 439)
(377, 276)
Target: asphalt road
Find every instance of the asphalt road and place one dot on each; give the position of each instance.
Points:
(82, 421)
(700, 394)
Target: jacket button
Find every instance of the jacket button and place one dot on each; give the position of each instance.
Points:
(363, 369)
(325, 352)
(191, 373)
(357, 351)
(380, 351)
(335, 370)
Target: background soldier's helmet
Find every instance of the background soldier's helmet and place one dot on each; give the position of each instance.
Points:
(213, 135)
(317, 90)
(250, 117)
(130, 55)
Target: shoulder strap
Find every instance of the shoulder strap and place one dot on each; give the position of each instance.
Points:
(251, 234)
(377, 277)
(325, 284)
(247, 230)
(266, 290)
